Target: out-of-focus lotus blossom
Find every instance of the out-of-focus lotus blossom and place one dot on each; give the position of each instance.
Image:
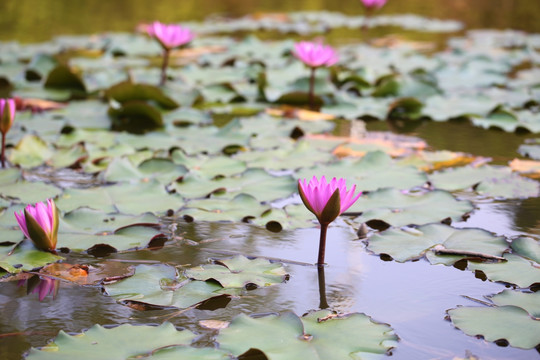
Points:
(373, 4)
(39, 223)
(43, 286)
(169, 36)
(315, 54)
(327, 200)
(7, 116)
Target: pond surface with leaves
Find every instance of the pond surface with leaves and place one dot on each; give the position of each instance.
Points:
(179, 205)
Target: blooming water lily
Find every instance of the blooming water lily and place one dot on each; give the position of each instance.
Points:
(39, 223)
(327, 200)
(7, 116)
(169, 36)
(314, 55)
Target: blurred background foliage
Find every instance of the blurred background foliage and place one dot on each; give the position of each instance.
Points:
(38, 20)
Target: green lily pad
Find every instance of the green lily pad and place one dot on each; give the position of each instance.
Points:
(25, 257)
(527, 247)
(409, 243)
(209, 167)
(467, 176)
(530, 150)
(63, 77)
(136, 117)
(399, 209)
(240, 208)
(121, 342)
(317, 335)
(374, 171)
(127, 92)
(239, 272)
(160, 285)
(516, 270)
(495, 323)
(27, 192)
(527, 301)
(151, 197)
(160, 169)
(30, 152)
(512, 186)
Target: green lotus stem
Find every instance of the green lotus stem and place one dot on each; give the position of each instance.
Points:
(164, 65)
(322, 244)
(312, 89)
(3, 155)
(323, 304)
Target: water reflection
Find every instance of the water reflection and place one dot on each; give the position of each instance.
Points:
(44, 286)
(323, 304)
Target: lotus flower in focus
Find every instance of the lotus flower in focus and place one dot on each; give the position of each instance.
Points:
(315, 54)
(7, 116)
(39, 223)
(327, 200)
(373, 4)
(170, 36)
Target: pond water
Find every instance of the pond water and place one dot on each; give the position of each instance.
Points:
(411, 297)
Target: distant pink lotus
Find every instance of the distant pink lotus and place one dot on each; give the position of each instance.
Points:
(39, 223)
(327, 200)
(169, 36)
(314, 55)
(7, 116)
(371, 4)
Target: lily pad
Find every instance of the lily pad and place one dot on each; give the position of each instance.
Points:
(318, 335)
(495, 323)
(412, 243)
(209, 167)
(399, 209)
(121, 342)
(516, 270)
(24, 257)
(239, 272)
(160, 285)
(527, 247)
(467, 176)
(512, 186)
(241, 208)
(527, 301)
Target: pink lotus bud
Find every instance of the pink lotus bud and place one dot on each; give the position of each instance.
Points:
(315, 54)
(327, 200)
(39, 223)
(7, 114)
(170, 36)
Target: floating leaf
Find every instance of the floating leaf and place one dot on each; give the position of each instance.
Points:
(24, 257)
(516, 270)
(527, 301)
(495, 323)
(509, 187)
(318, 335)
(121, 342)
(160, 285)
(398, 209)
(240, 272)
(527, 247)
(466, 176)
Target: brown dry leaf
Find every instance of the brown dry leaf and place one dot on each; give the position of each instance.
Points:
(280, 17)
(396, 41)
(394, 145)
(298, 113)
(89, 275)
(528, 168)
(214, 324)
(37, 105)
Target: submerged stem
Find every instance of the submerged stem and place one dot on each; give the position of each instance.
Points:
(164, 65)
(322, 245)
(312, 89)
(3, 155)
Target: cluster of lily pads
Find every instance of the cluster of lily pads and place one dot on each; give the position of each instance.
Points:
(224, 139)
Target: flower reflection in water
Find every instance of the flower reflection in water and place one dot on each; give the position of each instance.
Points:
(42, 285)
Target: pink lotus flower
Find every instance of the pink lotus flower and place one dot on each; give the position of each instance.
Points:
(315, 54)
(39, 223)
(170, 36)
(7, 116)
(371, 4)
(327, 201)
